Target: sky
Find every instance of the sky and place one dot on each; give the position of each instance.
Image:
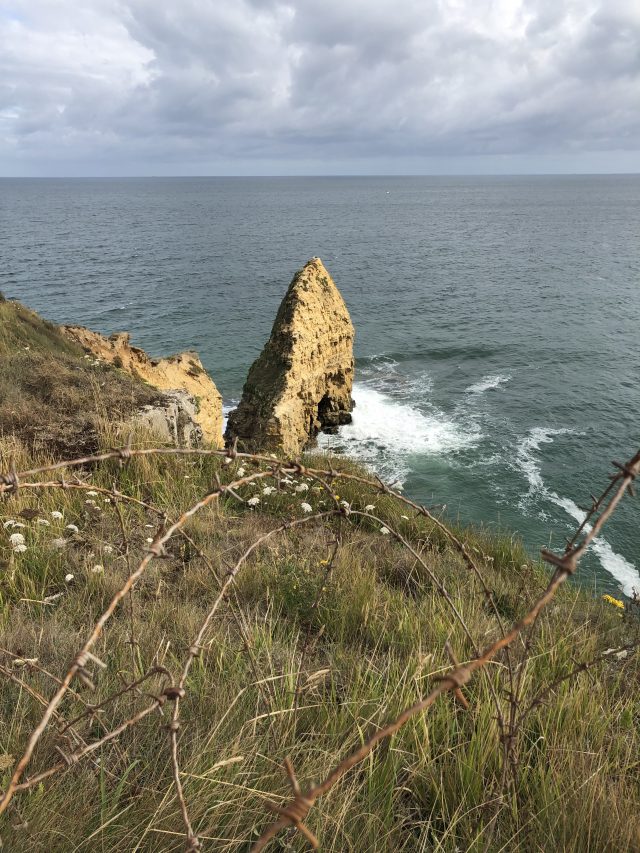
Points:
(262, 87)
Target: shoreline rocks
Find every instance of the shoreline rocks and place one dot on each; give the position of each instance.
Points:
(301, 383)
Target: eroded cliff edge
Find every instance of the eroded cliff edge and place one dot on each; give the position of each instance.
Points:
(182, 374)
(301, 383)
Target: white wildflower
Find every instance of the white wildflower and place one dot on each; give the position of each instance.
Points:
(57, 515)
(107, 549)
(369, 507)
(306, 507)
(58, 543)
(68, 578)
(240, 472)
(90, 502)
(149, 539)
(98, 569)
(43, 521)
(384, 531)
(268, 490)
(92, 494)
(302, 488)
(253, 501)
(345, 504)
(9, 523)
(107, 500)
(16, 539)
(20, 548)
(227, 460)
(72, 527)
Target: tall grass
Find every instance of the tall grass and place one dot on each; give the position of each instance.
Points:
(370, 637)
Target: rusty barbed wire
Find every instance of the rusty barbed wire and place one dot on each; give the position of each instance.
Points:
(296, 811)
(175, 690)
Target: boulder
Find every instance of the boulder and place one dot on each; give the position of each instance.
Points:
(181, 373)
(301, 382)
(173, 419)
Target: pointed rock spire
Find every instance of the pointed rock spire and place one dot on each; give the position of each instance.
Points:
(301, 382)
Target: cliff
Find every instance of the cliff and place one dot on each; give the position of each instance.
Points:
(301, 382)
(177, 373)
(53, 397)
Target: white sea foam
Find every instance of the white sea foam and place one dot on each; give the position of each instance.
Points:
(487, 383)
(386, 432)
(227, 408)
(618, 567)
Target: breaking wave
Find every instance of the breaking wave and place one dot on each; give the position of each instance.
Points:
(624, 572)
(385, 433)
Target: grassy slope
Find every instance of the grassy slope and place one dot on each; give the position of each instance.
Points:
(377, 639)
(50, 393)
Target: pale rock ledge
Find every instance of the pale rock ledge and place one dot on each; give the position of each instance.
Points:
(177, 373)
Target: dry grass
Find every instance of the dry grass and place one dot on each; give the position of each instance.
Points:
(52, 395)
(369, 639)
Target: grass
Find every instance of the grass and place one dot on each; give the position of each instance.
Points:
(305, 658)
(52, 394)
(374, 642)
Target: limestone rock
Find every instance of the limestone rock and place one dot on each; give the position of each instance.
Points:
(301, 382)
(182, 372)
(173, 419)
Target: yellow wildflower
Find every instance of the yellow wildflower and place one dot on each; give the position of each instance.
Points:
(611, 600)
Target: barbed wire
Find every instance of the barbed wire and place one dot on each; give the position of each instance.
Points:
(173, 690)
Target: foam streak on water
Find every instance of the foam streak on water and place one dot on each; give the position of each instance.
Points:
(487, 383)
(624, 572)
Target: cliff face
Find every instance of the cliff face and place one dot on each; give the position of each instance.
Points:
(183, 373)
(301, 382)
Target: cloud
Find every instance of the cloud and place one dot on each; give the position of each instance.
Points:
(187, 86)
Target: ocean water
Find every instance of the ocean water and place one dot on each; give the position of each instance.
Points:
(497, 319)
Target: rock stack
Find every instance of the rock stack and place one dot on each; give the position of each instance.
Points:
(301, 382)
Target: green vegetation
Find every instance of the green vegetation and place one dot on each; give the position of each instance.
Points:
(52, 394)
(374, 642)
(317, 645)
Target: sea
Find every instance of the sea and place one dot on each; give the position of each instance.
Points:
(497, 319)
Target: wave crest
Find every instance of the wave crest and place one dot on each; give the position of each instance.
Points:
(624, 572)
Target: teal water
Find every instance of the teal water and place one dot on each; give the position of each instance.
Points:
(497, 319)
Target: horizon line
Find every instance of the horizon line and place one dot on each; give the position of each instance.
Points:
(327, 175)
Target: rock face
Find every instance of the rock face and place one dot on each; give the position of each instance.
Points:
(177, 373)
(173, 419)
(301, 382)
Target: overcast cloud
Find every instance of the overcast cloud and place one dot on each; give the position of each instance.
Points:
(104, 87)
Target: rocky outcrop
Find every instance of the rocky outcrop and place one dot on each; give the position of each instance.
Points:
(301, 382)
(177, 373)
(173, 419)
